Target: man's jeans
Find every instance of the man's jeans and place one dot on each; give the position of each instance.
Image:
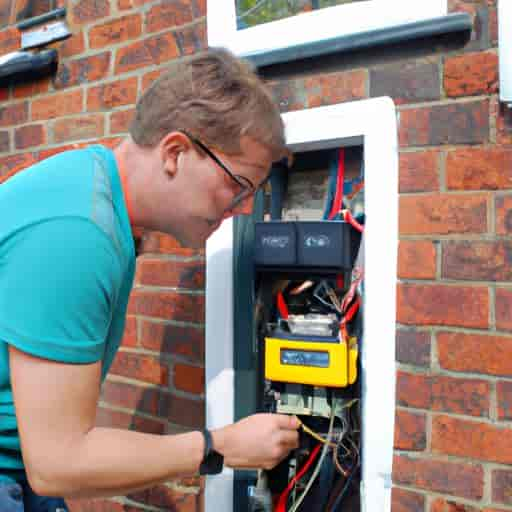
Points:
(21, 498)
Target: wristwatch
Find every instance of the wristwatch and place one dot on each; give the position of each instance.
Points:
(213, 461)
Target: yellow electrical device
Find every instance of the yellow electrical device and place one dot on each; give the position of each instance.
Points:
(305, 361)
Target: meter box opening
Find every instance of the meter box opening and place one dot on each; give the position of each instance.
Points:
(300, 315)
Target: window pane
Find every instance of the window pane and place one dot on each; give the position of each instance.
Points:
(255, 12)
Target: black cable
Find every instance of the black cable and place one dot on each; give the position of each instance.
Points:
(344, 490)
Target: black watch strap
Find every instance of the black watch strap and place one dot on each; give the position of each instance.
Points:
(213, 461)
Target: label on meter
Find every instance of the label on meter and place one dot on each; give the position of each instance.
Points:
(305, 358)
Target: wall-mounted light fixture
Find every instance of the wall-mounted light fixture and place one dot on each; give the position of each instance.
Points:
(505, 50)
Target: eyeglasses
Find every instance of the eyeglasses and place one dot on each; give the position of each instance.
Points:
(245, 185)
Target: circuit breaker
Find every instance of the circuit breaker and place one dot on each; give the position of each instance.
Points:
(308, 318)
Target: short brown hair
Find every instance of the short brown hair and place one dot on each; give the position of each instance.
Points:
(214, 96)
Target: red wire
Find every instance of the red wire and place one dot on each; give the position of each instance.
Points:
(338, 197)
(347, 217)
(281, 306)
(281, 504)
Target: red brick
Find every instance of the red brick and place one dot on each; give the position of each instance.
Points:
(503, 208)
(167, 498)
(84, 11)
(443, 505)
(442, 393)
(406, 501)
(504, 400)
(149, 78)
(419, 171)
(413, 347)
(5, 12)
(406, 82)
(72, 46)
(470, 74)
(471, 439)
(130, 332)
(4, 141)
(410, 431)
(129, 396)
(465, 480)
(113, 94)
(493, 26)
(416, 259)
(334, 88)
(173, 273)
(116, 419)
(503, 309)
(461, 306)
(82, 127)
(289, 95)
(479, 169)
(189, 378)
(30, 135)
(10, 40)
(31, 89)
(191, 39)
(21, 160)
(155, 242)
(82, 71)
(168, 14)
(502, 486)
(452, 123)
(443, 214)
(16, 113)
(120, 121)
(183, 411)
(481, 261)
(475, 353)
(187, 342)
(140, 367)
(168, 305)
(151, 51)
(57, 105)
(115, 31)
(199, 8)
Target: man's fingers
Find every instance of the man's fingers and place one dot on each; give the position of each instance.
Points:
(289, 439)
(287, 422)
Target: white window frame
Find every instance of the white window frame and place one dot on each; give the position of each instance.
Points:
(373, 124)
(314, 26)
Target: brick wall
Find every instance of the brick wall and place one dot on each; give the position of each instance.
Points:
(454, 340)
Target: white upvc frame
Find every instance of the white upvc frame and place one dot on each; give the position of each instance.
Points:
(310, 27)
(373, 124)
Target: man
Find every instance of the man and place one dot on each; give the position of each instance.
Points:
(202, 141)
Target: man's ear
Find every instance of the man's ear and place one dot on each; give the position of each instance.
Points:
(171, 146)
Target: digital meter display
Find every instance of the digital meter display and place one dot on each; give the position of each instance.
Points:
(305, 358)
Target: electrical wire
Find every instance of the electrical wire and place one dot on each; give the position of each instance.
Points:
(297, 504)
(318, 437)
(281, 504)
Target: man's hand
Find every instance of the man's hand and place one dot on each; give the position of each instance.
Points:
(258, 441)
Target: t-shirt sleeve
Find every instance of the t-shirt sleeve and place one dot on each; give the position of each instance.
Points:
(59, 281)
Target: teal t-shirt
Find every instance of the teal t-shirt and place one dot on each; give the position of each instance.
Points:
(67, 262)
